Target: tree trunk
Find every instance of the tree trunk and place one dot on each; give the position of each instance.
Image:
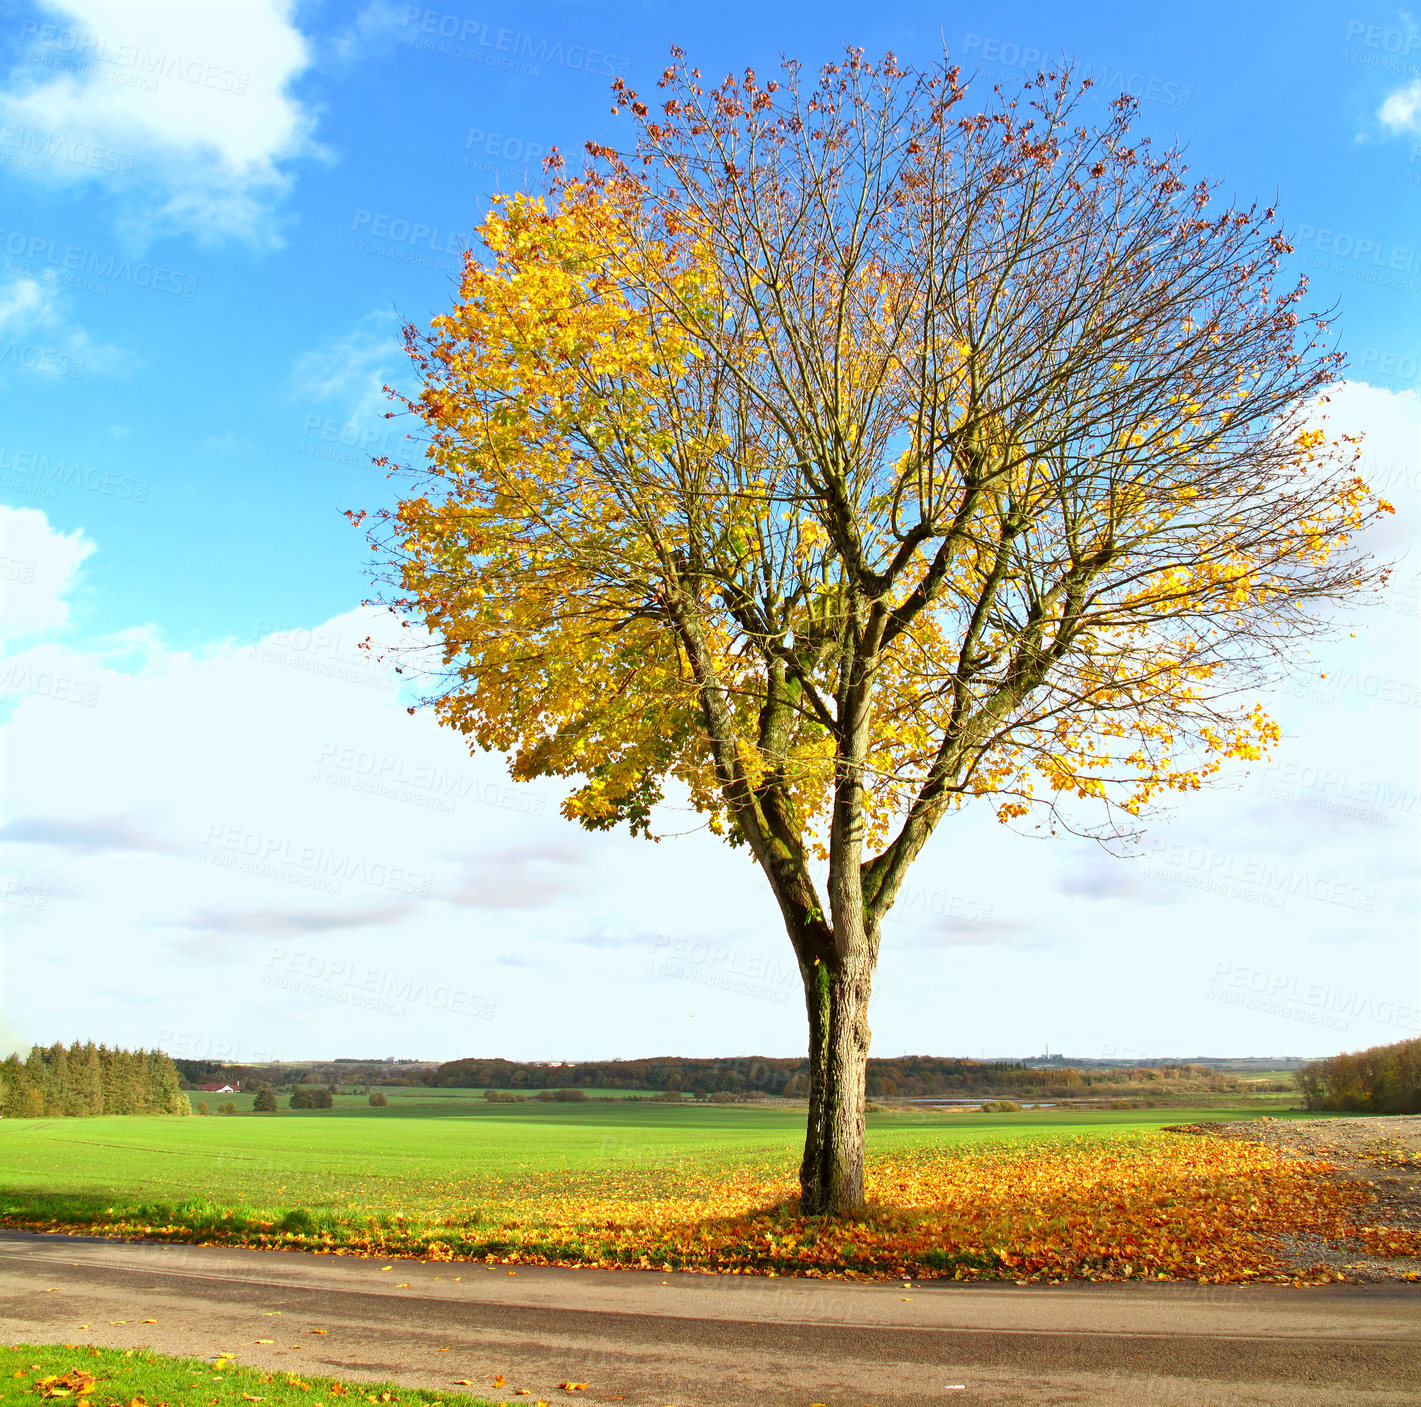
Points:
(831, 1175)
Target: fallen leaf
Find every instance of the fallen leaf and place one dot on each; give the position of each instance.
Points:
(266, 1340)
(572, 1387)
(463, 1382)
(499, 1380)
(74, 1381)
(150, 1321)
(320, 1331)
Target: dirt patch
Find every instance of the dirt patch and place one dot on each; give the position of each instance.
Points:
(1383, 1154)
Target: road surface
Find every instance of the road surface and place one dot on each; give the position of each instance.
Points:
(649, 1339)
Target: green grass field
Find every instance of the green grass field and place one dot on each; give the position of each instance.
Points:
(436, 1151)
(444, 1174)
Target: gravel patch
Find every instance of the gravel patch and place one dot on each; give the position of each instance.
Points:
(1381, 1152)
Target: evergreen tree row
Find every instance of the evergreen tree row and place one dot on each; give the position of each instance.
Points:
(69, 1081)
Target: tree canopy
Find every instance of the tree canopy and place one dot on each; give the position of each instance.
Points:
(842, 455)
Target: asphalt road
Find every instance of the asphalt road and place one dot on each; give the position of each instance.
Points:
(650, 1339)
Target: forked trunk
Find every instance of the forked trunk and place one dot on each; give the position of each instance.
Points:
(831, 1175)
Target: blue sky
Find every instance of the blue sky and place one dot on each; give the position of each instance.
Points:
(212, 218)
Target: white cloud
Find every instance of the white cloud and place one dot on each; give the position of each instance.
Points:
(27, 304)
(1401, 112)
(345, 375)
(375, 22)
(187, 105)
(527, 877)
(35, 321)
(96, 835)
(39, 568)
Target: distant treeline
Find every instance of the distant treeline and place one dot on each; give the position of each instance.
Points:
(1383, 1080)
(901, 1077)
(64, 1081)
(896, 1077)
(292, 1073)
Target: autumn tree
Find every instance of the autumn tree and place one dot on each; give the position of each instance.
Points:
(842, 454)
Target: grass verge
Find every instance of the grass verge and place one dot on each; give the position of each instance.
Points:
(112, 1377)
